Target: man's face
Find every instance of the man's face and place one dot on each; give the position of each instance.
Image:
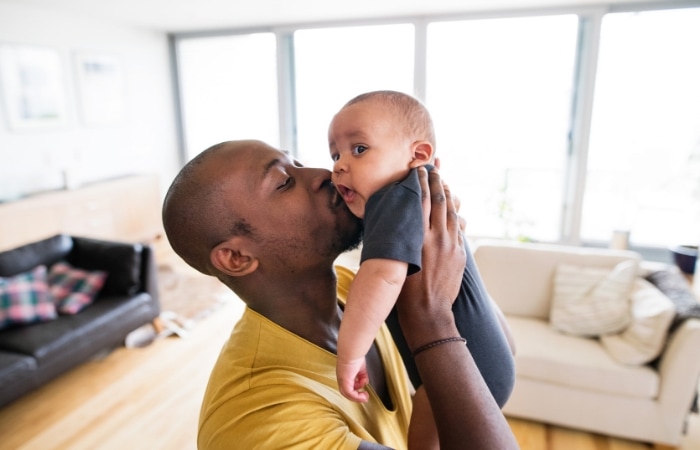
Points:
(295, 212)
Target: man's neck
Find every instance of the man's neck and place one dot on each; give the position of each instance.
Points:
(308, 307)
(305, 304)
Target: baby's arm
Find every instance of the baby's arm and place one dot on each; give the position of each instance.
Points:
(372, 294)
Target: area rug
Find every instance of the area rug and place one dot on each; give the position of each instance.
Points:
(188, 295)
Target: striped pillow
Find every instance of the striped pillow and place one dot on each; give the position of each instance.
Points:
(25, 298)
(591, 301)
(73, 289)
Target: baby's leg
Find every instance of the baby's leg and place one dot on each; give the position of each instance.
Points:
(478, 322)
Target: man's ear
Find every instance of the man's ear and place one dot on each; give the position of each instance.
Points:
(232, 258)
(422, 154)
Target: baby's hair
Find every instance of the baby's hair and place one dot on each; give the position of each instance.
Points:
(415, 115)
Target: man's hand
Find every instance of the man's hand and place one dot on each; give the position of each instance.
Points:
(465, 413)
(431, 292)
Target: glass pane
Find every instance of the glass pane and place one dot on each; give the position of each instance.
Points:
(644, 156)
(335, 64)
(228, 89)
(500, 93)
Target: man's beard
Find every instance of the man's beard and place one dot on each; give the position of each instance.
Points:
(350, 230)
(353, 240)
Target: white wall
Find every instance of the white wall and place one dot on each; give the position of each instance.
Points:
(144, 141)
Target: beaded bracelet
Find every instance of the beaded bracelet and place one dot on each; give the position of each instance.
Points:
(430, 345)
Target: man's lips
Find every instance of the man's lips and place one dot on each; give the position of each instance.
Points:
(336, 198)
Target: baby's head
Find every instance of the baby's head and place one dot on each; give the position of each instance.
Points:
(374, 140)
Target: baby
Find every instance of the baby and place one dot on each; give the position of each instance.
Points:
(377, 141)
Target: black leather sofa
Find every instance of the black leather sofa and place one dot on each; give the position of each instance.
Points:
(33, 354)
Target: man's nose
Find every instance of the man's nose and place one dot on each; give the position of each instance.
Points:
(315, 178)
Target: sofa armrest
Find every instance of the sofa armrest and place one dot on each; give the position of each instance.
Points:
(149, 271)
(679, 368)
(122, 261)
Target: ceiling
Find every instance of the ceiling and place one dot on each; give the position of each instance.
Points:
(198, 15)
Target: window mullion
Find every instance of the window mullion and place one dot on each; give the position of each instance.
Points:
(420, 61)
(582, 110)
(286, 93)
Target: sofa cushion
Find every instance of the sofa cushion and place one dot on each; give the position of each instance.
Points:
(643, 340)
(589, 301)
(17, 375)
(530, 268)
(546, 355)
(24, 298)
(27, 257)
(71, 337)
(72, 289)
(121, 261)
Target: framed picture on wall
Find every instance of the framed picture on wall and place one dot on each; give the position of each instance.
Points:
(33, 86)
(101, 88)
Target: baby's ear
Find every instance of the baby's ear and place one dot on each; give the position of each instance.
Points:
(232, 258)
(422, 154)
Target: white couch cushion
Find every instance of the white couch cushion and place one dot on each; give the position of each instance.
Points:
(589, 301)
(547, 355)
(519, 276)
(643, 340)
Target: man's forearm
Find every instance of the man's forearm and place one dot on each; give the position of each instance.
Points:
(463, 407)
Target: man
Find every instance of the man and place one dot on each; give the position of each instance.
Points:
(270, 229)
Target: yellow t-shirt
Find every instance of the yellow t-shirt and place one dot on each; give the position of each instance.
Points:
(272, 389)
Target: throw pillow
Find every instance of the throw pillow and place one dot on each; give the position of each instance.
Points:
(592, 301)
(72, 289)
(643, 340)
(672, 284)
(24, 298)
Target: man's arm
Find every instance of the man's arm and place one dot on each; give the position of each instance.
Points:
(465, 412)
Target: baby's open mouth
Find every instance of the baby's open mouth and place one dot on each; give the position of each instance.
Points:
(345, 192)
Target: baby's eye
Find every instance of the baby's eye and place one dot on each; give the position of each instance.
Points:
(358, 149)
(334, 157)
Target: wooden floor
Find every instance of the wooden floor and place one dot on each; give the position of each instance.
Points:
(149, 398)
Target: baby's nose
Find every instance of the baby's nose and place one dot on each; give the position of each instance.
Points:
(339, 165)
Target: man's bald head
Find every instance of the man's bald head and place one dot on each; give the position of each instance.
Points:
(196, 215)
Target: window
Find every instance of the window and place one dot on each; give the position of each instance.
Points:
(500, 94)
(228, 89)
(644, 156)
(334, 65)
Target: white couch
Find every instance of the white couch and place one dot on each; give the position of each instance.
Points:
(574, 381)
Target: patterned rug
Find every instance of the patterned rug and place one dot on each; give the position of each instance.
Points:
(189, 296)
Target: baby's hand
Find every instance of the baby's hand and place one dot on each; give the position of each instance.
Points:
(352, 379)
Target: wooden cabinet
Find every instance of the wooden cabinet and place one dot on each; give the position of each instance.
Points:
(124, 209)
